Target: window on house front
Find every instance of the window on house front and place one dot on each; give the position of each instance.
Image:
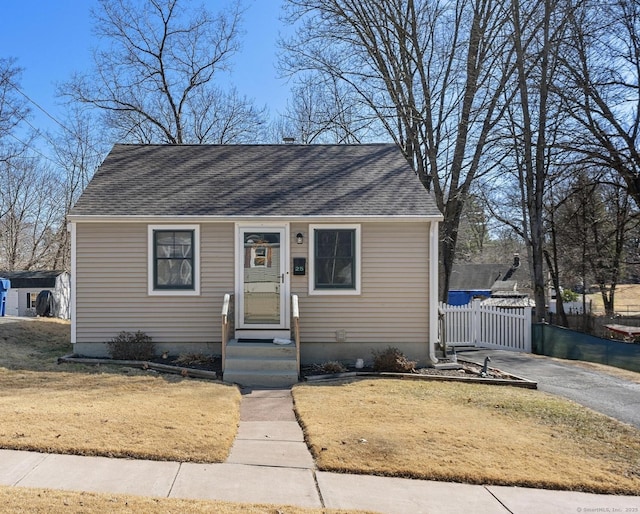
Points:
(174, 260)
(31, 300)
(335, 253)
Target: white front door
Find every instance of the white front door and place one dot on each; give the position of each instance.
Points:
(262, 300)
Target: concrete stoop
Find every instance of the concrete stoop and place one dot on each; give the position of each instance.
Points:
(260, 364)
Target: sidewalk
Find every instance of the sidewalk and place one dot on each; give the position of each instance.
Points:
(269, 463)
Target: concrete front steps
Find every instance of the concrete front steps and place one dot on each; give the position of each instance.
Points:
(260, 364)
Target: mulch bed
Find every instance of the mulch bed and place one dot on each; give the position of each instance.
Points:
(200, 366)
(466, 371)
(206, 363)
(208, 368)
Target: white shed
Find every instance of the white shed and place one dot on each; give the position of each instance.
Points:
(26, 285)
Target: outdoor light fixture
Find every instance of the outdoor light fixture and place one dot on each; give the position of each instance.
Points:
(299, 238)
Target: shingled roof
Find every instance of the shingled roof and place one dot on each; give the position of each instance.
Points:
(255, 180)
(31, 279)
(488, 277)
(475, 277)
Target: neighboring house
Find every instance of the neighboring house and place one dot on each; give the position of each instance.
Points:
(27, 285)
(162, 232)
(472, 281)
(488, 281)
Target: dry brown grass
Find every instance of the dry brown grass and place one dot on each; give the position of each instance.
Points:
(34, 344)
(467, 433)
(105, 410)
(457, 432)
(627, 299)
(150, 417)
(45, 501)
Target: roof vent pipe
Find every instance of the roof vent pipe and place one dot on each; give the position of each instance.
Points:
(288, 140)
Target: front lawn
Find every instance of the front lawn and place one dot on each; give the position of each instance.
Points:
(144, 417)
(105, 410)
(470, 433)
(432, 430)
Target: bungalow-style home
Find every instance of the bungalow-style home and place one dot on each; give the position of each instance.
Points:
(338, 240)
(26, 286)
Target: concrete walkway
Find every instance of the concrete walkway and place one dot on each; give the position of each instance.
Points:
(270, 463)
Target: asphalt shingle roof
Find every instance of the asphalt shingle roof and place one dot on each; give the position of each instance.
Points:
(255, 180)
(475, 277)
(483, 277)
(34, 279)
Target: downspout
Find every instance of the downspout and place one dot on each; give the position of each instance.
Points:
(433, 291)
(71, 227)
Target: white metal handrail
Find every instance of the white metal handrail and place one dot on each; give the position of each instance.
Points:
(295, 315)
(226, 306)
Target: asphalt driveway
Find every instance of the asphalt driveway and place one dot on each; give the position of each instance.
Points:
(602, 392)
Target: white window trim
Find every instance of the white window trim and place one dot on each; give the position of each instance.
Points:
(33, 297)
(196, 261)
(358, 260)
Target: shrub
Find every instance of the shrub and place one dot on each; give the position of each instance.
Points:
(569, 296)
(132, 346)
(392, 360)
(330, 367)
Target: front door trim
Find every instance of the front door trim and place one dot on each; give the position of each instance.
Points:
(285, 300)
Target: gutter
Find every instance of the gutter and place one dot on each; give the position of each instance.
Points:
(84, 218)
(433, 290)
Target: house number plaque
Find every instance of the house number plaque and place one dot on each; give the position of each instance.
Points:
(299, 266)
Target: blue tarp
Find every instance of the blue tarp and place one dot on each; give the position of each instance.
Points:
(5, 285)
(465, 297)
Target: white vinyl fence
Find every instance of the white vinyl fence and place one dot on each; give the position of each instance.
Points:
(487, 326)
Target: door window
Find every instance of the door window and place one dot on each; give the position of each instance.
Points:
(262, 278)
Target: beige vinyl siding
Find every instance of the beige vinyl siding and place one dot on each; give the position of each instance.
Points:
(299, 282)
(393, 306)
(111, 285)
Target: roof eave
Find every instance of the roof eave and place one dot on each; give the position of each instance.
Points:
(82, 218)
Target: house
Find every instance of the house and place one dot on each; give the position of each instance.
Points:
(344, 234)
(27, 285)
(488, 281)
(472, 281)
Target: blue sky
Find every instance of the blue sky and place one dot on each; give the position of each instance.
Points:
(52, 38)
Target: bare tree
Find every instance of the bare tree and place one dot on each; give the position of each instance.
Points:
(597, 221)
(13, 111)
(231, 118)
(601, 87)
(531, 161)
(155, 73)
(13, 107)
(532, 141)
(432, 73)
(30, 194)
(324, 110)
(78, 151)
(14, 170)
(474, 230)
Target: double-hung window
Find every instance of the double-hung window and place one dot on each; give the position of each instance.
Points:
(174, 260)
(335, 254)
